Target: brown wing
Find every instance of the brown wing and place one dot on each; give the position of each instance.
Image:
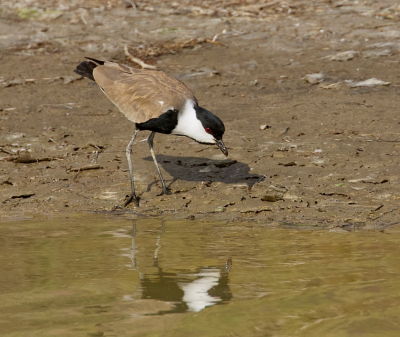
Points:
(141, 94)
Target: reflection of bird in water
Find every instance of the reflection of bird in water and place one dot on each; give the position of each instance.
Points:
(156, 102)
(209, 288)
(190, 291)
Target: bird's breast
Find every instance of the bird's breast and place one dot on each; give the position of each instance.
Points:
(165, 123)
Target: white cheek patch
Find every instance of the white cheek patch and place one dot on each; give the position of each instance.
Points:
(188, 125)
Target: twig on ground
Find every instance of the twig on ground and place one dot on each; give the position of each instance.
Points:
(213, 41)
(83, 18)
(136, 60)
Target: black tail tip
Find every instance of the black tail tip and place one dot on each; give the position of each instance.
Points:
(86, 68)
(99, 62)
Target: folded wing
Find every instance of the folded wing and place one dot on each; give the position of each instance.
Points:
(141, 94)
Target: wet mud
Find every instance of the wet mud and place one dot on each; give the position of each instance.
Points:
(309, 94)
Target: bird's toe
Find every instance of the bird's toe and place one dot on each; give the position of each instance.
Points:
(166, 191)
(132, 198)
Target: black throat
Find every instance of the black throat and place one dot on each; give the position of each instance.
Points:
(165, 123)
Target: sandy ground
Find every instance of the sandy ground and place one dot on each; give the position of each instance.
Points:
(317, 150)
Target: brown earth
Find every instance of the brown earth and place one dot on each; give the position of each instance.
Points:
(327, 154)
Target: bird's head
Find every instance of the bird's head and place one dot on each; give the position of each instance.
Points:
(201, 125)
(213, 129)
(217, 138)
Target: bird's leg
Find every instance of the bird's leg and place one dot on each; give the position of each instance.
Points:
(150, 141)
(128, 156)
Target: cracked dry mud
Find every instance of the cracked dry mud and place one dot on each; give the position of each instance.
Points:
(303, 150)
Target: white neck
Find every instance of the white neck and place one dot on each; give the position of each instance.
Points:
(188, 125)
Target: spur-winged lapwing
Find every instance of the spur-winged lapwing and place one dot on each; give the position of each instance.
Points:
(156, 102)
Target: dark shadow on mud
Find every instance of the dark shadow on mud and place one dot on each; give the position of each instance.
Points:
(203, 169)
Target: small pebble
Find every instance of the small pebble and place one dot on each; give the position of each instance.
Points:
(265, 127)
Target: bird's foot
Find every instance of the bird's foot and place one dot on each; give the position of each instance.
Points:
(165, 191)
(133, 198)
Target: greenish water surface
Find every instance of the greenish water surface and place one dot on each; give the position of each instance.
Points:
(104, 276)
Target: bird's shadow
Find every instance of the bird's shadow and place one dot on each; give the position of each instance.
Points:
(227, 171)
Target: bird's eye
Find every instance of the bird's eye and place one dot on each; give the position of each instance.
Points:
(208, 130)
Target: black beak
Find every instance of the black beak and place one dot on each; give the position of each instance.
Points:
(222, 147)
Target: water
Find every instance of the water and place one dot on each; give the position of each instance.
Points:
(98, 276)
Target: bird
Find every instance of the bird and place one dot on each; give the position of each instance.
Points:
(156, 102)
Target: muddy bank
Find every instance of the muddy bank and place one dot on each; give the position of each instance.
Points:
(317, 150)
